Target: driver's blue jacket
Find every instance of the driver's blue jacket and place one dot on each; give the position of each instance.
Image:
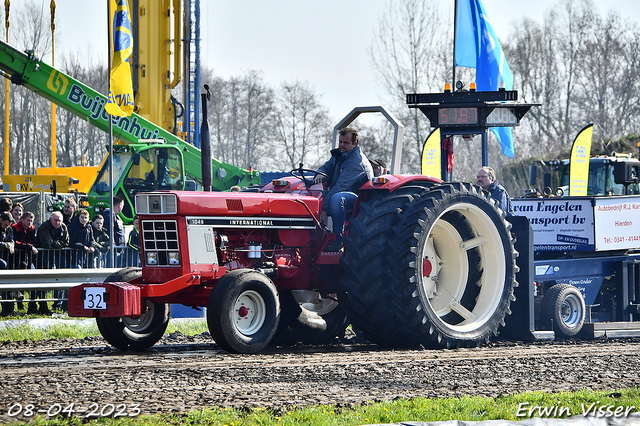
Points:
(347, 172)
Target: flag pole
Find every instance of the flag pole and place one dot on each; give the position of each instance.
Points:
(455, 24)
(111, 216)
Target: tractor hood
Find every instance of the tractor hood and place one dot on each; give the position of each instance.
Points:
(248, 204)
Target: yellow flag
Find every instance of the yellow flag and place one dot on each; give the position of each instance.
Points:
(579, 167)
(120, 99)
(431, 155)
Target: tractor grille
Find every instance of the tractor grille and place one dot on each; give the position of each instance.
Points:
(160, 239)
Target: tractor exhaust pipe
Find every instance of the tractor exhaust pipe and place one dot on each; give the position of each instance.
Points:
(205, 143)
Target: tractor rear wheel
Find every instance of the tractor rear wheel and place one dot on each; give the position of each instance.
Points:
(367, 262)
(139, 333)
(454, 267)
(243, 311)
(446, 273)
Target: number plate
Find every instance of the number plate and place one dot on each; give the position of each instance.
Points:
(94, 298)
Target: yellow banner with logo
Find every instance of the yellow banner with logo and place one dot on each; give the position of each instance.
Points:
(431, 155)
(120, 99)
(579, 166)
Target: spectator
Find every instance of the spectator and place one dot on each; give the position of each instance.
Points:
(5, 204)
(100, 238)
(133, 245)
(118, 230)
(16, 212)
(379, 167)
(53, 236)
(81, 238)
(24, 234)
(68, 211)
(486, 178)
(7, 247)
(117, 204)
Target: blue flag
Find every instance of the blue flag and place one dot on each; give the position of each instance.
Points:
(477, 46)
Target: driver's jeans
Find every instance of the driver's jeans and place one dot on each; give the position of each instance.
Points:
(340, 204)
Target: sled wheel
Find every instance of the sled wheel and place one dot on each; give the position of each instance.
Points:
(563, 305)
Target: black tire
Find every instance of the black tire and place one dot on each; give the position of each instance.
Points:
(563, 306)
(455, 267)
(243, 311)
(136, 334)
(310, 320)
(367, 264)
(436, 274)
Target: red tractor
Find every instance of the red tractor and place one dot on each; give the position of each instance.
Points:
(425, 263)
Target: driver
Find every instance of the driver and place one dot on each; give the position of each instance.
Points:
(347, 170)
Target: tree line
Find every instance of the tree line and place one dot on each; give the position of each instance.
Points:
(583, 67)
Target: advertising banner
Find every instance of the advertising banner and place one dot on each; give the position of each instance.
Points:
(617, 223)
(558, 224)
(431, 155)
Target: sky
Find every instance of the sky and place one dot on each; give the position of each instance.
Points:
(325, 43)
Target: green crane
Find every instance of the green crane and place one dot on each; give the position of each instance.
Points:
(147, 158)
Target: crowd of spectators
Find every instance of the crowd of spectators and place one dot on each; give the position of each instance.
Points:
(67, 239)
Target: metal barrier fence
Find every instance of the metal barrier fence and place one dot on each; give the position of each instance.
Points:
(57, 269)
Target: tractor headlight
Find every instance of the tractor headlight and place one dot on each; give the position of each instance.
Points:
(174, 258)
(152, 257)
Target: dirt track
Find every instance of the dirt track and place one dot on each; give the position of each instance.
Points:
(183, 373)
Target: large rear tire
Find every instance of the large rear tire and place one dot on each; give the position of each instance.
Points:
(448, 270)
(243, 311)
(139, 333)
(367, 263)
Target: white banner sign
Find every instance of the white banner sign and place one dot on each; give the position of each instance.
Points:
(559, 224)
(617, 223)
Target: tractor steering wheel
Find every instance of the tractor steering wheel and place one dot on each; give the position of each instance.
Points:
(299, 174)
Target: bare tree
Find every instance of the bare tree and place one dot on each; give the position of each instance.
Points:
(408, 57)
(303, 127)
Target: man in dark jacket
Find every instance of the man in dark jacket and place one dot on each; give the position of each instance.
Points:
(117, 204)
(81, 239)
(53, 236)
(69, 211)
(348, 169)
(7, 246)
(486, 178)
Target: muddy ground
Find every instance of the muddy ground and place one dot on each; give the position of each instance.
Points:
(183, 373)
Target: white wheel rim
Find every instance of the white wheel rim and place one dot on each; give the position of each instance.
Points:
(314, 302)
(445, 254)
(571, 311)
(140, 324)
(249, 312)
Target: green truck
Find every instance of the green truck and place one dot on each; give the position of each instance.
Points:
(146, 156)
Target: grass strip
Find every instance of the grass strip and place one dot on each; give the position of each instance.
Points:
(512, 407)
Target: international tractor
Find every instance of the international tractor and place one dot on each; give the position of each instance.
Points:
(424, 263)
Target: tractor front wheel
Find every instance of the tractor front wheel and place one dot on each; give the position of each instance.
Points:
(243, 311)
(134, 333)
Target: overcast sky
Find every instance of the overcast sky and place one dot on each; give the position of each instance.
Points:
(323, 42)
